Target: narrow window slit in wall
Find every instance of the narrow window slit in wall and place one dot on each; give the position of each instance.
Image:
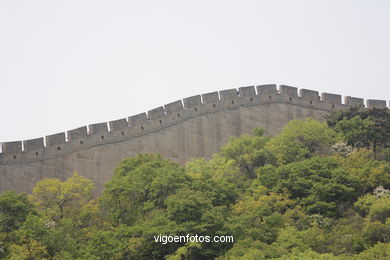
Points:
(251, 99)
(232, 101)
(196, 109)
(270, 97)
(122, 133)
(102, 137)
(178, 115)
(214, 105)
(290, 99)
(160, 121)
(311, 102)
(36, 154)
(142, 128)
(14, 157)
(59, 148)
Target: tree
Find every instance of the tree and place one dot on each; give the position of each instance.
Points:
(380, 210)
(301, 139)
(191, 251)
(362, 127)
(380, 251)
(30, 236)
(248, 152)
(218, 177)
(104, 245)
(187, 206)
(14, 208)
(140, 184)
(318, 184)
(370, 173)
(259, 218)
(62, 199)
(363, 204)
(357, 132)
(246, 249)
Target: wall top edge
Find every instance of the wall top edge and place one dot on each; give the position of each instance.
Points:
(203, 99)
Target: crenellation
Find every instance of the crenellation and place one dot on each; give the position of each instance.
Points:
(193, 101)
(138, 120)
(33, 144)
(371, 103)
(118, 125)
(77, 133)
(143, 128)
(99, 128)
(353, 101)
(228, 94)
(193, 111)
(247, 91)
(33, 155)
(156, 113)
(210, 98)
(211, 102)
(333, 99)
(308, 94)
(12, 147)
(55, 139)
(268, 89)
(289, 91)
(172, 113)
(230, 99)
(174, 107)
(55, 149)
(196, 126)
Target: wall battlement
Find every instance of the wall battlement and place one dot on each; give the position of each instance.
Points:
(159, 118)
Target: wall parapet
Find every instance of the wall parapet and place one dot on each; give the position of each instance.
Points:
(172, 113)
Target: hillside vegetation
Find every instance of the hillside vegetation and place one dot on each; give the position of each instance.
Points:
(315, 191)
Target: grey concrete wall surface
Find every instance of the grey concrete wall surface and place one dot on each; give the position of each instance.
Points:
(195, 127)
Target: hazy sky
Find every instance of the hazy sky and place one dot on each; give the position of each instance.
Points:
(65, 64)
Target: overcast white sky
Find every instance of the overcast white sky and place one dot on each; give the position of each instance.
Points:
(65, 64)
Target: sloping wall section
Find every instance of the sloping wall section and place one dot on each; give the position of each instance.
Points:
(192, 127)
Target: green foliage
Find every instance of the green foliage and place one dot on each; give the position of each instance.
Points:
(369, 172)
(187, 206)
(246, 249)
(14, 208)
(380, 251)
(363, 204)
(219, 178)
(259, 218)
(362, 127)
(283, 197)
(301, 139)
(29, 236)
(357, 132)
(61, 199)
(380, 209)
(318, 184)
(139, 185)
(191, 251)
(248, 152)
(104, 245)
(377, 232)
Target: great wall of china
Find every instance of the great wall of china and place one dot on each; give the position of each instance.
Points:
(193, 127)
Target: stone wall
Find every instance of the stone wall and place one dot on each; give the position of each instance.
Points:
(192, 127)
